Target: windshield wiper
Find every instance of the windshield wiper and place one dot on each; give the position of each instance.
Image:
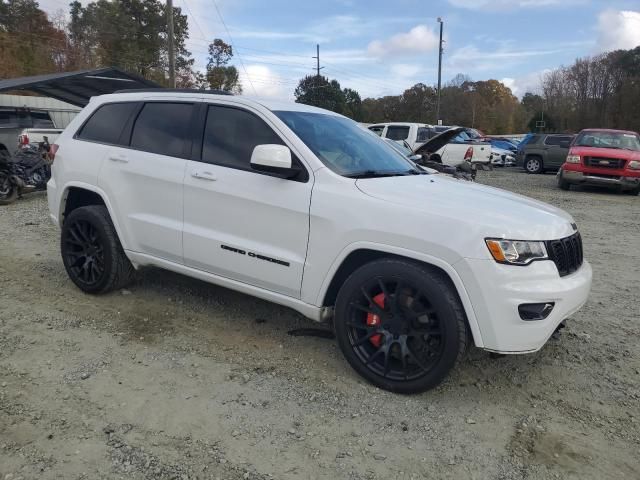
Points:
(378, 173)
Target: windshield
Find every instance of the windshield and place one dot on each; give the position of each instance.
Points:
(345, 147)
(400, 148)
(618, 140)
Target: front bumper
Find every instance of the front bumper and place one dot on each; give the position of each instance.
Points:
(598, 180)
(497, 290)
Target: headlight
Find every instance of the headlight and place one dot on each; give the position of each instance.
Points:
(634, 165)
(516, 252)
(573, 158)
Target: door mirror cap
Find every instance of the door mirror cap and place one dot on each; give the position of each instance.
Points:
(274, 160)
(415, 158)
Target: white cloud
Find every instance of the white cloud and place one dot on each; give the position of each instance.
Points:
(530, 82)
(618, 30)
(261, 81)
(511, 4)
(417, 40)
(404, 70)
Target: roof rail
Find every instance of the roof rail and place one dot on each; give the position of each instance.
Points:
(175, 90)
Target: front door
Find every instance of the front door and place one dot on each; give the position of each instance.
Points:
(239, 223)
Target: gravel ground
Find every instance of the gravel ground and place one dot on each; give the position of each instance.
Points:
(175, 378)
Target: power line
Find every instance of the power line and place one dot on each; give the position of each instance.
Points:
(231, 41)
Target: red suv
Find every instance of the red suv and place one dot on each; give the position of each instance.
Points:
(609, 158)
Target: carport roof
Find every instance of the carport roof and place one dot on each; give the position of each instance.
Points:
(78, 87)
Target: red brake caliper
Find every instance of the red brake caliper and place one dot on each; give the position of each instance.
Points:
(373, 320)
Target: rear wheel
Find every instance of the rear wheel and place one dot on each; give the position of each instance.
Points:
(91, 251)
(400, 325)
(635, 191)
(533, 165)
(8, 191)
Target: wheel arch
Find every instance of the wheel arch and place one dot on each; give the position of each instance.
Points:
(351, 259)
(77, 194)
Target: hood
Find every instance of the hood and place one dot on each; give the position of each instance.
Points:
(487, 211)
(605, 152)
(436, 143)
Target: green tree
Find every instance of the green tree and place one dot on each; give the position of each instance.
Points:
(29, 43)
(321, 92)
(131, 34)
(221, 75)
(353, 104)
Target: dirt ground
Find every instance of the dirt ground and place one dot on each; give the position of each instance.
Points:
(174, 378)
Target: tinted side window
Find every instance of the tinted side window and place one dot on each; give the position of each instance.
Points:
(377, 130)
(107, 122)
(553, 140)
(231, 134)
(163, 128)
(41, 120)
(423, 134)
(397, 133)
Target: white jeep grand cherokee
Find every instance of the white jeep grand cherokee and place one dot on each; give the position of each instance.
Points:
(303, 207)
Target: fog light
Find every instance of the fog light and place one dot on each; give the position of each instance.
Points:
(535, 311)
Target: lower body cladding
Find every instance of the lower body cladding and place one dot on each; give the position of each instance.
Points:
(519, 307)
(574, 177)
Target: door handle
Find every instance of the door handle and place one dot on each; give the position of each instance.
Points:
(118, 157)
(204, 175)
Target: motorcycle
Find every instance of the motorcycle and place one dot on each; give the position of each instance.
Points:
(27, 170)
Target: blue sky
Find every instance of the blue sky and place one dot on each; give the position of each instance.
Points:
(383, 47)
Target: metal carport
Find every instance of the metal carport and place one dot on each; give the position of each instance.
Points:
(78, 87)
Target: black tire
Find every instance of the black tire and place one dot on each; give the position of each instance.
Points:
(91, 251)
(635, 191)
(8, 191)
(563, 184)
(423, 327)
(533, 164)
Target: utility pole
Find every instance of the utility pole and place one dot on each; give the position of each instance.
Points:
(438, 119)
(171, 39)
(318, 68)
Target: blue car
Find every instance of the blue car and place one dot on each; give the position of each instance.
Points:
(504, 144)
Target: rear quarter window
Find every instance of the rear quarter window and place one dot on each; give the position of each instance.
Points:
(106, 124)
(397, 132)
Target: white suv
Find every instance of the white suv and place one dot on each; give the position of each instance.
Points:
(302, 207)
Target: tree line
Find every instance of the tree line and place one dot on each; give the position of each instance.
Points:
(598, 91)
(602, 91)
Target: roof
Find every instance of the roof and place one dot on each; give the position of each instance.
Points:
(608, 130)
(400, 124)
(268, 103)
(78, 87)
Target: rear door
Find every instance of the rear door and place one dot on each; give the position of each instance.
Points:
(143, 177)
(556, 154)
(239, 223)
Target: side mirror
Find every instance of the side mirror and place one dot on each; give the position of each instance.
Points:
(274, 160)
(565, 144)
(415, 158)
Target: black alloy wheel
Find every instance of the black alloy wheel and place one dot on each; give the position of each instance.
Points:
(91, 251)
(400, 325)
(84, 252)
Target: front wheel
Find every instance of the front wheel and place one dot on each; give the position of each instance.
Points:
(562, 183)
(400, 325)
(8, 190)
(533, 165)
(91, 251)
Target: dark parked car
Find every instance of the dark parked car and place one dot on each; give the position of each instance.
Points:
(544, 151)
